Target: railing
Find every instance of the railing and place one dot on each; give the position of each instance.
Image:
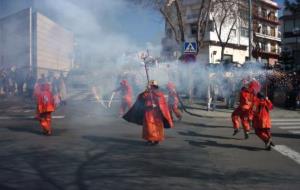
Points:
(269, 33)
(266, 17)
(270, 2)
(273, 50)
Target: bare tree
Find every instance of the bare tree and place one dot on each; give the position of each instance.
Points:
(174, 15)
(225, 15)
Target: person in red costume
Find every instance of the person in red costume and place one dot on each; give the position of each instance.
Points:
(126, 94)
(173, 101)
(261, 119)
(244, 112)
(255, 86)
(45, 106)
(152, 112)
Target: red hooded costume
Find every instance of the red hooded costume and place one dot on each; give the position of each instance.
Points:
(173, 100)
(243, 111)
(45, 106)
(151, 111)
(126, 93)
(261, 119)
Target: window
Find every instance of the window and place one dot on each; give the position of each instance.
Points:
(273, 31)
(244, 32)
(297, 23)
(265, 29)
(233, 33)
(169, 33)
(288, 26)
(264, 13)
(194, 29)
(228, 58)
(211, 26)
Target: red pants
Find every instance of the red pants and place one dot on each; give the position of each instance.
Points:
(263, 134)
(242, 115)
(45, 122)
(126, 103)
(174, 108)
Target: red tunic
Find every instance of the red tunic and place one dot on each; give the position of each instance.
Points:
(246, 99)
(261, 110)
(45, 100)
(156, 113)
(151, 111)
(126, 93)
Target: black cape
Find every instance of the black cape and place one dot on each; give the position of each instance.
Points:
(136, 113)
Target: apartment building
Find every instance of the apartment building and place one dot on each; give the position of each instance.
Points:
(291, 39)
(266, 31)
(235, 51)
(33, 42)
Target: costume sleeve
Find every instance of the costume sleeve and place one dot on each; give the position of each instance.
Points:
(269, 104)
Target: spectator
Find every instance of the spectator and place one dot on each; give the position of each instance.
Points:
(30, 81)
(62, 89)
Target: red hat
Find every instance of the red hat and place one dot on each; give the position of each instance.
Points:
(255, 86)
(45, 87)
(170, 85)
(124, 82)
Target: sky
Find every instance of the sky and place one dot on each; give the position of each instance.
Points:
(138, 24)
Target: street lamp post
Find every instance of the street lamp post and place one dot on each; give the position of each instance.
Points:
(250, 29)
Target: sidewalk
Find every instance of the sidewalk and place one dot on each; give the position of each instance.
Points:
(220, 112)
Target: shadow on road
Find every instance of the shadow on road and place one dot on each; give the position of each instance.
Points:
(194, 134)
(35, 130)
(203, 125)
(118, 163)
(286, 135)
(216, 144)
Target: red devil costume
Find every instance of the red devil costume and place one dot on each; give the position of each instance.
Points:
(45, 106)
(244, 111)
(262, 120)
(173, 101)
(151, 111)
(126, 93)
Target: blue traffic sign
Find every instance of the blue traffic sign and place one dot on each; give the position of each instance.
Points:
(190, 47)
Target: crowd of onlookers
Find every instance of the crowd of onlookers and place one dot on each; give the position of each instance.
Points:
(16, 82)
(223, 85)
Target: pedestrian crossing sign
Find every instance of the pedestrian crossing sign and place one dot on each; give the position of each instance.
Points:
(190, 47)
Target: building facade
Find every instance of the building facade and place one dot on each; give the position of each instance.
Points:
(266, 31)
(290, 40)
(32, 42)
(210, 52)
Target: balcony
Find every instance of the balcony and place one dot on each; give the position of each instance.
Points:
(266, 18)
(268, 35)
(272, 50)
(271, 3)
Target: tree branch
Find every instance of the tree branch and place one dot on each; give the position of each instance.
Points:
(168, 19)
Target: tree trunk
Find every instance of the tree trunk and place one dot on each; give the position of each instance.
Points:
(222, 52)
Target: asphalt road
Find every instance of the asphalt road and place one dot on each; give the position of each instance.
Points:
(92, 148)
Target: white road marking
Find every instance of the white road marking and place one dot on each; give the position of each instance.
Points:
(286, 151)
(286, 119)
(294, 127)
(28, 117)
(58, 117)
(286, 123)
(295, 132)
